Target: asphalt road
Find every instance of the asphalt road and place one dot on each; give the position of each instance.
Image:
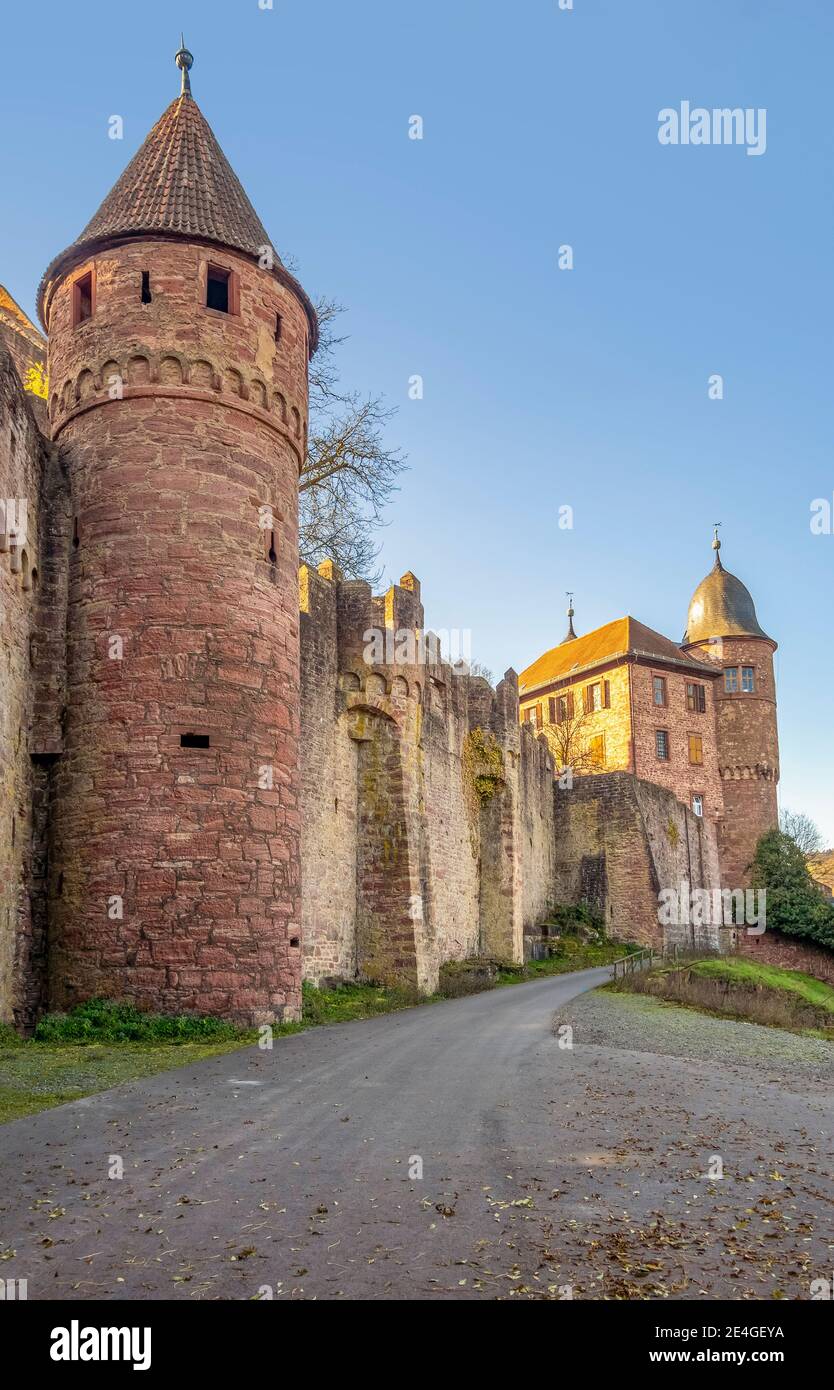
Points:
(294, 1173)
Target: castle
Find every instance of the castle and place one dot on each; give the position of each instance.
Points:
(209, 791)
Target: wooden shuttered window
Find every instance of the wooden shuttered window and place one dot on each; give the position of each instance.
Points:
(596, 696)
(564, 707)
(551, 705)
(596, 749)
(696, 698)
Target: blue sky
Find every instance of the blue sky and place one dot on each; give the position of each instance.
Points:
(542, 387)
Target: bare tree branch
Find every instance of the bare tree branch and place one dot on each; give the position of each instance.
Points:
(802, 830)
(349, 475)
(568, 742)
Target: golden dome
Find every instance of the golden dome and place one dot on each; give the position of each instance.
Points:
(721, 606)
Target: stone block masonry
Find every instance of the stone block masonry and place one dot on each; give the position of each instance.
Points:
(427, 813)
(619, 841)
(786, 952)
(26, 477)
(174, 868)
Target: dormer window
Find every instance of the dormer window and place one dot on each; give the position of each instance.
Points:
(217, 289)
(82, 299)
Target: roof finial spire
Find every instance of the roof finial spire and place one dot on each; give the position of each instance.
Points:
(716, 545)
(570, 634)
(183, 60)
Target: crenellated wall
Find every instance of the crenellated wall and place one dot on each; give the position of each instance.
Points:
(427, 815)
(431, 828)
(32, 688)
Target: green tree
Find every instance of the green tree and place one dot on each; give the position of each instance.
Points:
(795, 903)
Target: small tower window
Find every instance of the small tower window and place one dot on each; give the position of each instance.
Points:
(217, 289)
(194, 741)
(146, 287)
(75, 533)
(277, 328)
(748, 682)
(82, 299)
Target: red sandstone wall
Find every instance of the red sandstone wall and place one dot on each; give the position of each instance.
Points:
(175, 872)
(748, 754)
(619, 842)
(678, 775)
(771, 948)
(628, 728)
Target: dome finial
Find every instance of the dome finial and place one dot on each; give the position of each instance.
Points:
(184, 60)
(716, 545)
(570, 634)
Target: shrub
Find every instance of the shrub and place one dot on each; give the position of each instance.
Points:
(104, 1020)
(578, 918)
(795, 905)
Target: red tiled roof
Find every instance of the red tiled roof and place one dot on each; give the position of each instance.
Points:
(625, 637)
(179, 183)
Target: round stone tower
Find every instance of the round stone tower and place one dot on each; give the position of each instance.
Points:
(178, 352)
(723, 627)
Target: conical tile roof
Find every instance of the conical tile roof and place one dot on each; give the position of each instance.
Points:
(179, 183)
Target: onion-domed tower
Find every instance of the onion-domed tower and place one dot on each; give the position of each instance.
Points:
(723, 627)
(178, 352)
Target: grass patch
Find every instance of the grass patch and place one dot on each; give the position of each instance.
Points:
(733, 969)
(345, 1003)
(38, 1075)
(729, 987)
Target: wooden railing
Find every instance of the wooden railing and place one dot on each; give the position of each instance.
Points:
(645, 959)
